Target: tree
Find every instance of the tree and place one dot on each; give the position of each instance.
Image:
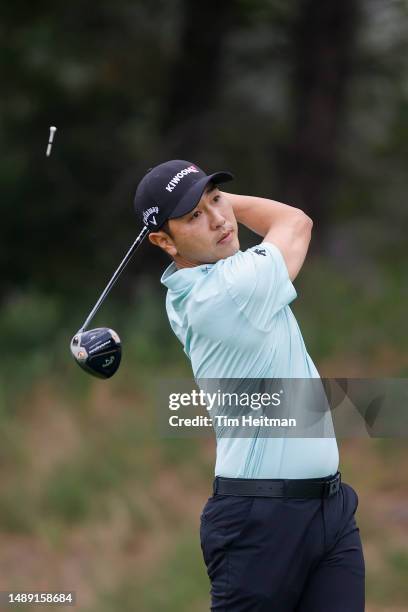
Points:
(324, 45)
(194, 79)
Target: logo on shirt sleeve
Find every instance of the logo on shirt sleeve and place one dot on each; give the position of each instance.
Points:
(260, 252)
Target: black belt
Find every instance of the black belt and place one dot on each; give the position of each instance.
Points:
(277, 487)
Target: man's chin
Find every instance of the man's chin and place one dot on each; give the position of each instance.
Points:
(227, 251)
(221, 252)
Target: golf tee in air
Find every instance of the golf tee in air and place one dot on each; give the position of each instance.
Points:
(53, 129)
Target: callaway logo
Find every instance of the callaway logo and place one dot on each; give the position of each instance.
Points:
(148, 212)
(260, 252)
(172, 184)
(108, 362)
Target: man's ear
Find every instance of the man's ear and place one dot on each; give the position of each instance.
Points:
(163, 241)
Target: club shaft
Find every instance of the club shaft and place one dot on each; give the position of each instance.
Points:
(115, 277)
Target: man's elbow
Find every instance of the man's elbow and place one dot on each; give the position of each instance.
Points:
(303, 228)
(309, 221)
(299, 214)
(303, 222)
(309, 224)
(305, 217)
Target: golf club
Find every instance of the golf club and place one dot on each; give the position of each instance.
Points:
(99, 351)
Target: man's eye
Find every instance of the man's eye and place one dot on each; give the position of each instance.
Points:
(217, 197)
(195, 214)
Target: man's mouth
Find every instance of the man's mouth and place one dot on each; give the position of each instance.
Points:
(226, 237)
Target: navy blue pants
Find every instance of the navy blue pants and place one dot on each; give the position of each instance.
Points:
(284, 555)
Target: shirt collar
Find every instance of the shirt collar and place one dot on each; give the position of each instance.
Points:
(176, 279)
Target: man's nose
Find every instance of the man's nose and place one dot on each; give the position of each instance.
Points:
(217, 220)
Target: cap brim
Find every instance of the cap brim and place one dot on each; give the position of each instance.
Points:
(193, 195)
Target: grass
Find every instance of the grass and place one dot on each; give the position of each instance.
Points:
(390, 584)
(351, 315)
(179, 583)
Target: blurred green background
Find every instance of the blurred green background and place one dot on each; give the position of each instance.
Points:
(305, 102)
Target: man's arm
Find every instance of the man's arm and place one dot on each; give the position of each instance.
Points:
(287, 227)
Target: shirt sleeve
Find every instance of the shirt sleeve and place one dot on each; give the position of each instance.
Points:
(258, 282)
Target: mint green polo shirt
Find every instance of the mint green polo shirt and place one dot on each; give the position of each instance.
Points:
(234, 321)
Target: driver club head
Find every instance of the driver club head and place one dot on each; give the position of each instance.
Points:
(97, 351)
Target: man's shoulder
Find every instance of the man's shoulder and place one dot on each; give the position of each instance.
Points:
(258, 256)
(246, 267)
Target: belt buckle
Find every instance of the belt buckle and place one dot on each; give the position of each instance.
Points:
(332, 486)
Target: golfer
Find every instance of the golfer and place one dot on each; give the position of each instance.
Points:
(279, 532)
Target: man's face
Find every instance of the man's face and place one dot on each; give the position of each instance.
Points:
(206, 234)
